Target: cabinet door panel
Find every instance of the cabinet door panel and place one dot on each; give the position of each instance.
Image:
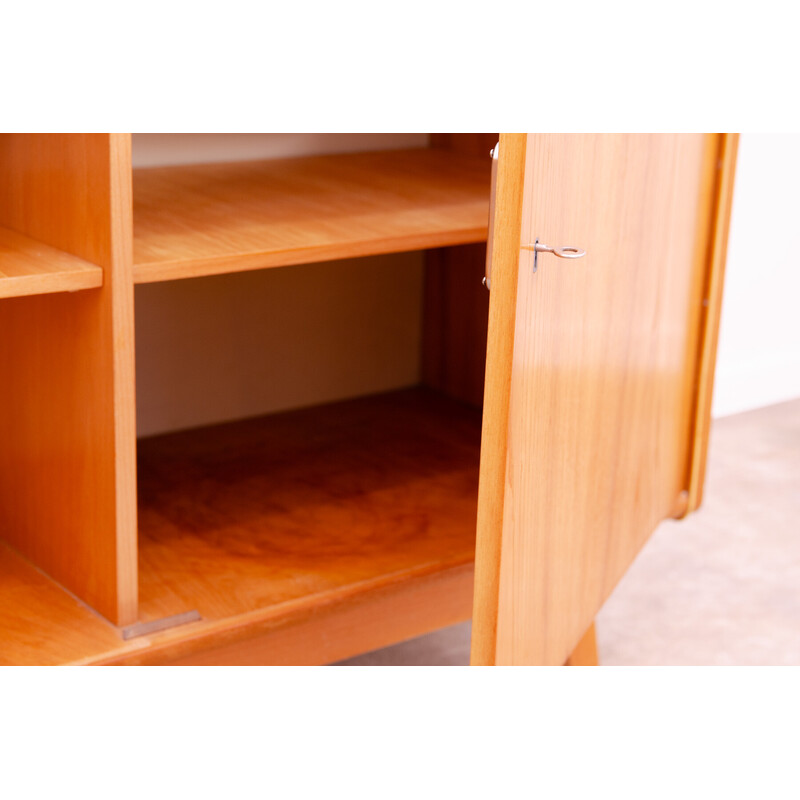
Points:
(598, 400)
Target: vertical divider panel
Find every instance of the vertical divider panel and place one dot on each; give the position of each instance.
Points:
(456, 304)
(67, 373)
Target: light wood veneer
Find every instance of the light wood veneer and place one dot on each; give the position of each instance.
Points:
(40, 623)
(712, 304)
(602, 399)
(497, 392)
(67, 422)
(213, 218)
(30, 267)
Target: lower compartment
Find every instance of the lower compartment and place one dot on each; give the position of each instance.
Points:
(301, 537)
(274, 517)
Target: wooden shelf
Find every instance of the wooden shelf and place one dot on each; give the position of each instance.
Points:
(271, 518)
(42, 624)
(29, 267)
(214, 218)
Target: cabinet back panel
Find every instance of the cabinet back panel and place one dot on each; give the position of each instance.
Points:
(167, 149)
(234, 346)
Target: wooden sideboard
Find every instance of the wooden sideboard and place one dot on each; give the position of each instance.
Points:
(562, 415)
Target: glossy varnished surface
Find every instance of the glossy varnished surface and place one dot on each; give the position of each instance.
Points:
(67, 417)
(245, 516)
(214, 218)
(319, 629)
(42, 624)
(30, 267)
(712, 303)
(499, 354)
(602, 381)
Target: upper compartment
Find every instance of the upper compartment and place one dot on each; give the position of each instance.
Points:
(40, 252)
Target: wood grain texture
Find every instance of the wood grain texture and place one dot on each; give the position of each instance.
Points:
(456, 304)
(349, 622)
(585, 653)
(238, 517)
(601, 399)
(499, 354)
(30, 267)
(214, 218)
(40, 623)
(67, 464)
(712, 301)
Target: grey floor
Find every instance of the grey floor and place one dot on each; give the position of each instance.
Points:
(720, 587)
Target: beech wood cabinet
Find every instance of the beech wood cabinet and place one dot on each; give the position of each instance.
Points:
(561, 415)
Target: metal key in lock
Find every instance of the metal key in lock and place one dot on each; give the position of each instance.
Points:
(561, 252)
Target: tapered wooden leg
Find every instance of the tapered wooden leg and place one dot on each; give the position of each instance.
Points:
(585, 654)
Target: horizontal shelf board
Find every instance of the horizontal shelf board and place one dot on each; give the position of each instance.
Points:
(40, 623)
(347, 624)
(29, 267)
(212, 218)
(273, 516)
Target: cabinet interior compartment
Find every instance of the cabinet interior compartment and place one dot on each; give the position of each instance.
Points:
(342, 507)
(36, 257)
(304, 535)
(275, 519)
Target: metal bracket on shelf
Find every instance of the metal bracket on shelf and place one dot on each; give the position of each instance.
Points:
(158, 625)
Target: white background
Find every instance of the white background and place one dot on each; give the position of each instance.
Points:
(758, 358)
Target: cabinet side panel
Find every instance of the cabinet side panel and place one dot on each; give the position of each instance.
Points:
(67, 421)
(456, 305)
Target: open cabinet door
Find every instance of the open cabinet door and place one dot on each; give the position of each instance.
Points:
(599, 372)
